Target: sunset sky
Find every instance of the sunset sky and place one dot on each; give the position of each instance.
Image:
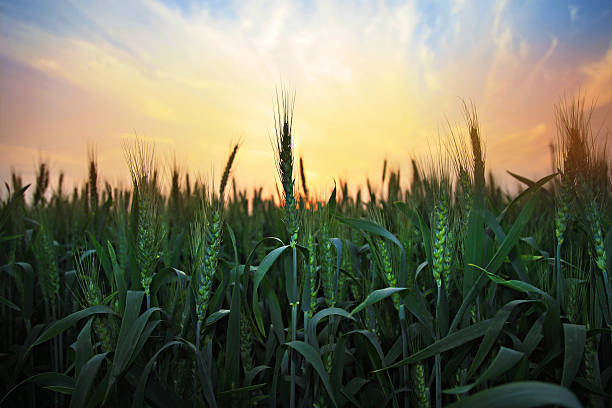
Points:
(373, 79)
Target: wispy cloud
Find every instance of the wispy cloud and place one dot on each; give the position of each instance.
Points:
(598, 84)
(573, 12)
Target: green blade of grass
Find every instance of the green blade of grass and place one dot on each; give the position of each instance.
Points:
(492, 333)
(314, 359)
(276, 316)
(119, 277)
(9, 304)
(144, 337)
(373, 341)
(262, 269)
(248, 380)
(520, 394)
(418, 307)
(127, 350)
(473, 242)
(376, 296)
(515, 284)
(338, 366)
(500, 236)
(512, 237)
(215, 317)
(232, 345)
(373, 228)
(449, 342)
(132, 327)
(503, 361)
(536, 186)
(83, 347)
(575, 338)
(138, 400)
(85, 380)
(330, 311)
(55, 381)
(70, 320)
(420, 222)
(338, 244)
(534, 336)
(103, 257)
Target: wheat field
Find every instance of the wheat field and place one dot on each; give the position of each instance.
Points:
(448, 292)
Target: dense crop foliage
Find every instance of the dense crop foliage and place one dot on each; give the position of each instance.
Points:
(450, 292)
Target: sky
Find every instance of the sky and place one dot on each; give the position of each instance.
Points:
(372, 80)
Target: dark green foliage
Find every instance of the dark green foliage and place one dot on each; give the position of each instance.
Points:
(449, 292)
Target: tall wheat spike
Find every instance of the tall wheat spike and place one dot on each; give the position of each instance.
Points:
(227, 170)
(93, 178)
(303, 178)
(283, 125)
(140, 157)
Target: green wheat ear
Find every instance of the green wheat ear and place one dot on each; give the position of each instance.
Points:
(145, 239)
(441, 253)
(46, 260)
(563, 210)
(448, 256)
(303, 178)
(205, 251)
(389, 274)
(582, 166)
(140, 157)
(420, 391)
(42, 183)
(227, 170)
(93, 179)
(283, 124)
(594, 220)
(246, 352)
(92, 294)
(577, 283)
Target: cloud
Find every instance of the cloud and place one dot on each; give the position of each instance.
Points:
(573, 12)
(525, 152)
(458, 6)
(372, 78)
(598, 84)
